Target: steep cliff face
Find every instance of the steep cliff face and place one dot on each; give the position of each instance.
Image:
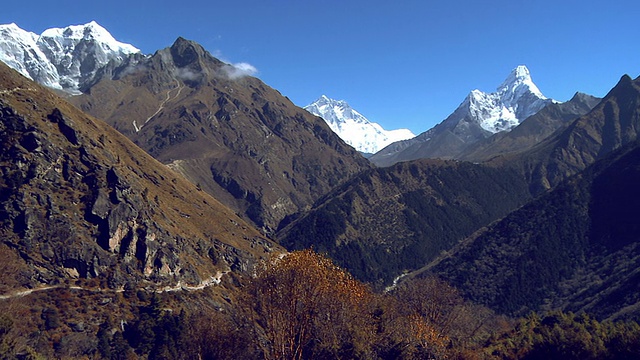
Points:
(79, 200)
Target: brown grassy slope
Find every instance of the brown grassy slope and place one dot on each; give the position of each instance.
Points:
(613, 123)
(80, 200)
(236, 137)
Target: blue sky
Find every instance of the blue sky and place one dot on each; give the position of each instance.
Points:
(401, 64)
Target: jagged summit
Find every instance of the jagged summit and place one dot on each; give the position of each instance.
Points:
(67, 58)
(355, 129)
(185, 52)
(519, 77)
(479, 116)
(514, 100)
(70, 35)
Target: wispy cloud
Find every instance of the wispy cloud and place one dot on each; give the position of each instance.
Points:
(239, 70)
(188, 74)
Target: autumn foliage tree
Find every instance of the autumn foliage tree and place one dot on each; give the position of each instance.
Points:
(305, 306)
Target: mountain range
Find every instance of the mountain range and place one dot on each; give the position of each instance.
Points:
(67, 58)
(235, 137)
(197, 174)
(355, 129)
(478, 117)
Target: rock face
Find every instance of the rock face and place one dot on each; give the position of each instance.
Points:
(234, 136)
(79, 200)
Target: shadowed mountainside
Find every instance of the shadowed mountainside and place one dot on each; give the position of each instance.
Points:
(575, 248)
(614, 122)
(388, 220)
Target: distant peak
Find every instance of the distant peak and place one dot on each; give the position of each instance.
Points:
(10, 26)
(521, 72)
(325, 100)
(90, 31)
(519, 78)
(186, 52)
(519, 75)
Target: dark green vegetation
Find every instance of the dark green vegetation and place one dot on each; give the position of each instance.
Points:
(575, 248)
(389, 220)
(560, 335)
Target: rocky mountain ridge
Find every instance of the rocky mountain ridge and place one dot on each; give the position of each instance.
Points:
(479, 116)
(80, 201)
(68, 59)
(235, 137)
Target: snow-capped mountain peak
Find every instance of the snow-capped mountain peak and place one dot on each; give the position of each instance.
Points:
(515, 99)
(73, 34)
(61, 58)
(355, 129)
(518, 76)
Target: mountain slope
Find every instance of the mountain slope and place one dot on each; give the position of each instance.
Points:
(479, 116)
(353, 128)
(234, 136)
(613, 123)
(80, 201)
(532, 130)
(68, 58)
(389, 220)
(575, 248)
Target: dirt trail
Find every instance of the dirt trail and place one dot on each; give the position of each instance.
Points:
(213, 280)
(169, 97)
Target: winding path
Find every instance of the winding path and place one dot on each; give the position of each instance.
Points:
(169, 97)
(213, 280)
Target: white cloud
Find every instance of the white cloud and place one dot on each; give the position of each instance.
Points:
(239, 70)
(188, 74)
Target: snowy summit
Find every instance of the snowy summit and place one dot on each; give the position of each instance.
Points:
(353, 127)
(61, 58)
(516, 99)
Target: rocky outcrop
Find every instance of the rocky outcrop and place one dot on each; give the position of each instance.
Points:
(78, 200)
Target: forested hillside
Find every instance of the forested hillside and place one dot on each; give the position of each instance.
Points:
(576, 248)
(389, 220)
